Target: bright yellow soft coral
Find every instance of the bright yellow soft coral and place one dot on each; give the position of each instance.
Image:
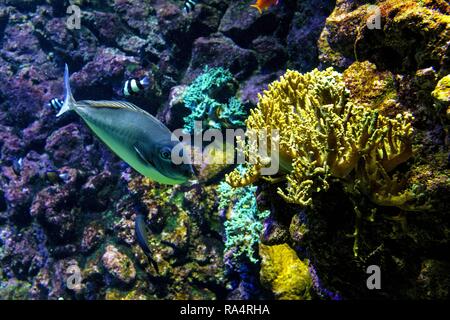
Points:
(322, 134)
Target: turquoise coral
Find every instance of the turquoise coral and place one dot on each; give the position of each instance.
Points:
(201, 98)
(243, 228)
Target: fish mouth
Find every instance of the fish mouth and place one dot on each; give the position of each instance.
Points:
(192, 182)
(180, 176)
(190, 176)
(190, 173)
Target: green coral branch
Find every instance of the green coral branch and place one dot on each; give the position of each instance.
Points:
(244, 226)
(201, 98)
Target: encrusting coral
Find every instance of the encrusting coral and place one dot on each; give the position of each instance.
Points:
(442, 94)
(211, 100)
(182, 226)
(412, 34)
(244, 224)
(284, 273)
(323, 135)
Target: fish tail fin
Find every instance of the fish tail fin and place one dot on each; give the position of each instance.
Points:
(256, 6)
(69, 101)
(145, 81)
(154, 264)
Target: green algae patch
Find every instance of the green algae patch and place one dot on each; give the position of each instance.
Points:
(442, 91)
(442, 95)
(413, 34)
(15, 290)
(370, 87)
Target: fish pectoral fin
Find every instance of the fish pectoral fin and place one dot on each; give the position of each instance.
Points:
(141, 155)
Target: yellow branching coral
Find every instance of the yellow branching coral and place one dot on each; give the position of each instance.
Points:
(323, 134)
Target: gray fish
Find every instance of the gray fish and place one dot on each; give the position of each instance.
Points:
(133, 134)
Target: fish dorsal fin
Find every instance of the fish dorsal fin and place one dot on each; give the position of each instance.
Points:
(114, 105)
(121, 105)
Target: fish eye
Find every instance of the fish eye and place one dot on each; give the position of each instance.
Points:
(166, 153)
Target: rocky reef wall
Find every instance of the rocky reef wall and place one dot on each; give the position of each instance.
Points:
(67, 204)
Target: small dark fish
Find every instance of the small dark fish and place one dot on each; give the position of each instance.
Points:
(134, 86)
(52, 176)
(55, 104)
(140, 229)
(17, 165)
(64, 176)
(55, 177)
(189, 5)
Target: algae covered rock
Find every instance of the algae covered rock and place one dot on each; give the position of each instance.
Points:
(93, 234)
(371, 87)
(15, 290)
(434, 274)
(185, 236)
(136, 293)
(118, 265)
(442, 94)
(411, 34)
(66, 146)
(442, 91)
(284, 273)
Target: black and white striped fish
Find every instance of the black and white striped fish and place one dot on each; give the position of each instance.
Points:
(189, 5)
(134, 86)
(55, 104)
